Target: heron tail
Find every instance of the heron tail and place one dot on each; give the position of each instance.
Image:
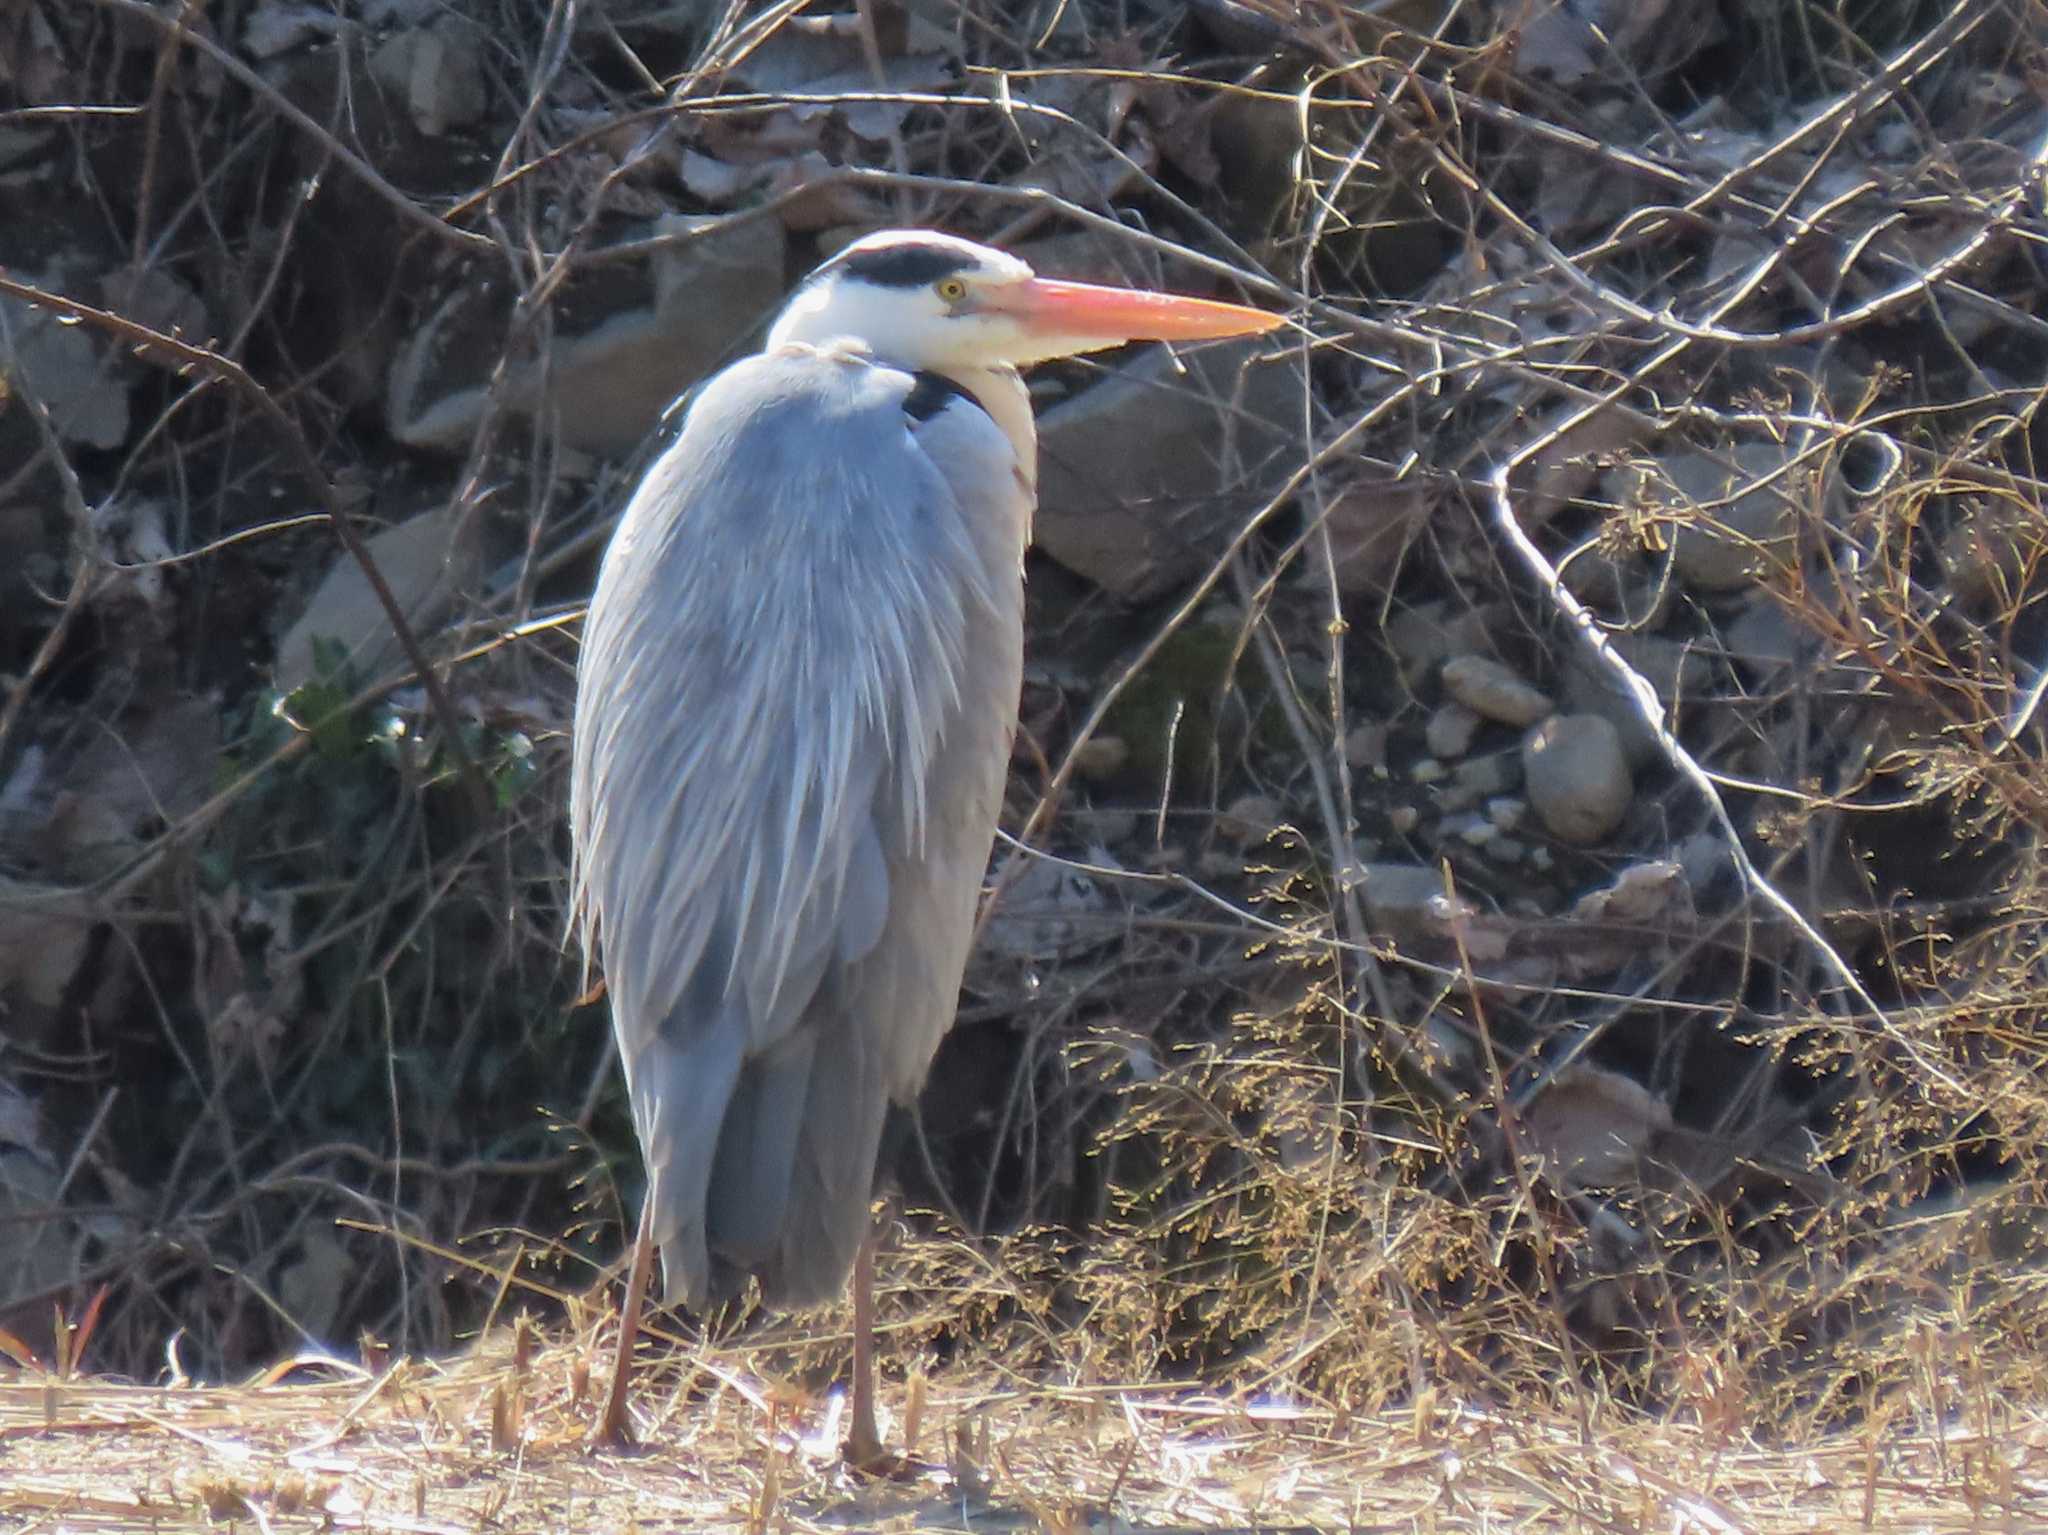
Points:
(679, 1093)
(790, 1189)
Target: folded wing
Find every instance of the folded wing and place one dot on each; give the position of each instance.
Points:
(798, 683)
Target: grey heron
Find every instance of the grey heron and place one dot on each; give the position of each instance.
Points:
(794, 711)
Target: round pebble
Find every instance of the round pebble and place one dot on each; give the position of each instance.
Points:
(1101, 757)
(1450, 730)
(1366, 746)
(1576, 776)
(1249, 818)
(1494, 692)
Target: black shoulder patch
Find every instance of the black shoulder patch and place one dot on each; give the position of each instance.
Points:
(932, 393)
(908, 265)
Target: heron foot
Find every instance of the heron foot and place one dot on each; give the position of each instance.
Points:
(611, 1432)
(864, 1454)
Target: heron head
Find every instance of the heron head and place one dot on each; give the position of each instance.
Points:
(920, 299)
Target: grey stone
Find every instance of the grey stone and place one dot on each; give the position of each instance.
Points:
(1494, 691)
(1733, 526)
(1370, 526)
(1248, 818)
(1764, 637)
(1422, 635)
(1101, 757)
(1366, 746)
(1674, 670)
(427, 561)
(1141, 474)
(1577, 777)
(68, 368)
(628, 343)
(437, 71)
(1450, 730)
(1479, 778)
(1405, 900)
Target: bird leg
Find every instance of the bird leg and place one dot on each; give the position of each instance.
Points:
(611, 1428)
(863, 1449)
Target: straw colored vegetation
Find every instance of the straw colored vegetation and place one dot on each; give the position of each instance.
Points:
(496, 1440)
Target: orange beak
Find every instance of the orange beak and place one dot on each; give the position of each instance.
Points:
(1083, 310)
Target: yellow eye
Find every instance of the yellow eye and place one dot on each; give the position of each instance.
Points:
(951, 289)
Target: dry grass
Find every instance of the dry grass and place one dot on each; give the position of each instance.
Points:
(495, 1440)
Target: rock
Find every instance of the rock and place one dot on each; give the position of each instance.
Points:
(158, 300)
(1506, 813)
(1101, 757)
(151, 767)
(1572, 45)
(437, 71)
(1577, 777)
(427, 561)
(1105, 828)
(39, 1256)
(1494, 692)
(1371, 524)
(1472, 830)
(1422, 635)
(69, 368)
(1765, 638)
(1450, 730)
(76, 816)
(1048, 911)
(1676, 671)
(1139, 474)
(1403, 819)
(1619, 586)
(313, 1285)
(1428, 770)
(1731, 527)
(1591, 1124)
(1568, 467)
(1478, 778)
(629, 341)
(1365, 746)
(1079, 255)
(1404, 900)
(1988, 549)
(1577, 193)
(1249, 818)
(1641, 895)
(45, 936)
(1704, 860)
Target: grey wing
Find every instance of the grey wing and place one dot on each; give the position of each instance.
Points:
(794, 704)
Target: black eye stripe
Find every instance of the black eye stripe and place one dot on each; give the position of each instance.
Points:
(903, 266)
